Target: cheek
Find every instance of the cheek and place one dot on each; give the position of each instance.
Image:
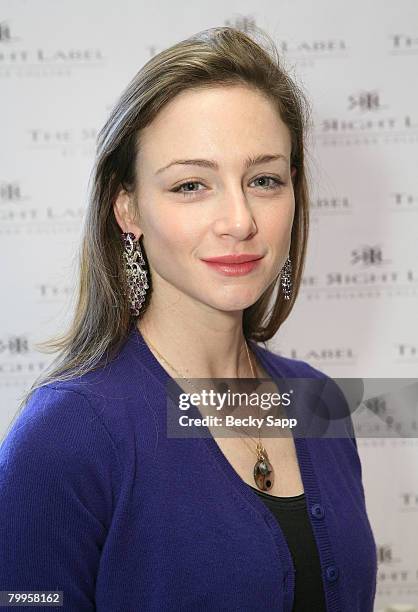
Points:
(276, 221)
(168, 235)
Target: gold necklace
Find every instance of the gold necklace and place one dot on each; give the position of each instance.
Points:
(263, 471)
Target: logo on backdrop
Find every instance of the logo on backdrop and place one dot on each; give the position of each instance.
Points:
(11, 192)
(365, 120)
(325, 355)
(368, 273)
(406, 352)
(49, 292)
(66, 141)
(333, 205)
(402, 44)
(396, 577)
(6, 33)
(385, 554)
(304, 51)
(33, 58)
(368, 256)
(14, 345)
(17, 213)
(17, 361)
(403, 201)
(64, 136)
(396, 201)
(409, 501)
(365, 101)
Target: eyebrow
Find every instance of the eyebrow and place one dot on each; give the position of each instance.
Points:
(209, 163)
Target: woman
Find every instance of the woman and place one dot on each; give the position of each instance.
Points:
(201, 158)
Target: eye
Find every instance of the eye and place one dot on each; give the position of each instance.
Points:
(277, 182)
(191, 193)
(187, 184)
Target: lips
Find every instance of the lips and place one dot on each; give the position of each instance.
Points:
(223, 265)
(233, 259)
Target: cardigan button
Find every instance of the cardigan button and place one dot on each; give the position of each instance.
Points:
(331, 573)
(317, 511)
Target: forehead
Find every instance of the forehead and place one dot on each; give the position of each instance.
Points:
(222, 122)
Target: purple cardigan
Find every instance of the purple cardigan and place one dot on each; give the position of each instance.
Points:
(97, 501)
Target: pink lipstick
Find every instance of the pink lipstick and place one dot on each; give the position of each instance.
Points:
(234, 265)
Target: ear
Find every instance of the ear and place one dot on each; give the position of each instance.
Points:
(293, 172)
(122, 208)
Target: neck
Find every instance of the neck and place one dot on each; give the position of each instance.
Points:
(209, 347)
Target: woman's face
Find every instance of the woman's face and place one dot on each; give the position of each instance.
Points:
(190, 211)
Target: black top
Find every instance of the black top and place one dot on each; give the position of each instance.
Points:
(292, 515)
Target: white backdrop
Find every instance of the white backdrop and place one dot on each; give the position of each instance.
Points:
(62, 66)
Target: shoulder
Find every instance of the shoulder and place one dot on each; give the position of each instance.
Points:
(331, 401)
(58, 424)
(59, 404)
(101, 398)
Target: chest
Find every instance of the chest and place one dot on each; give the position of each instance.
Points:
(240, 452)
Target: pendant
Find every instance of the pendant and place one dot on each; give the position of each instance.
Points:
(263, 470)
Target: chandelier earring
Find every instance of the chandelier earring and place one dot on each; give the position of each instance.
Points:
(286, 279)
(135, 271)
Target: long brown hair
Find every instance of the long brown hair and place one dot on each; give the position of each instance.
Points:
(214, 57)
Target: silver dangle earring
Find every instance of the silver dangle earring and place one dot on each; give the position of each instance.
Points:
(286, 279)
(136, 273)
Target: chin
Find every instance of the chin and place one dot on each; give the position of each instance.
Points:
(232, 305)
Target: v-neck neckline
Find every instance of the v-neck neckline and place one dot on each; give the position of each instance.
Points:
(151, 363)
(240, 488)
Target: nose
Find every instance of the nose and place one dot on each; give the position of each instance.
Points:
(235, 217)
